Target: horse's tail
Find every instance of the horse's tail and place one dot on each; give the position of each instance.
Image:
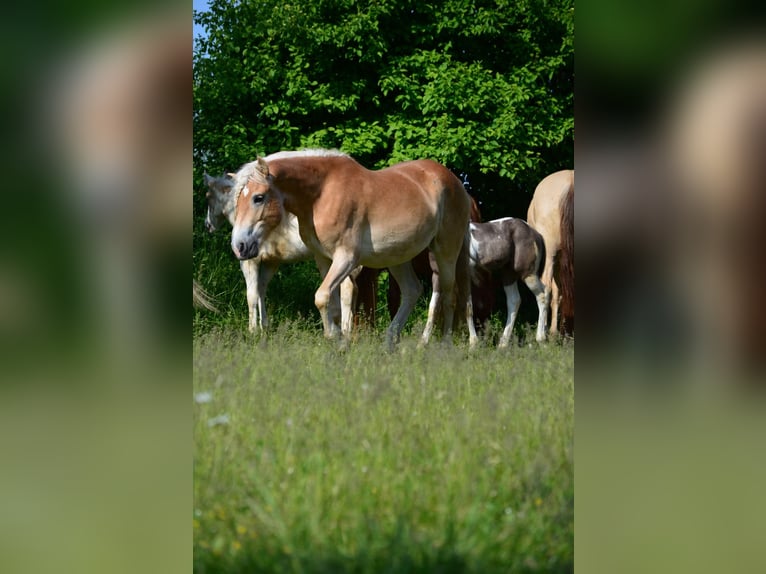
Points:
(566, 263)
(475, 212)
(200, 298)
(541, 253)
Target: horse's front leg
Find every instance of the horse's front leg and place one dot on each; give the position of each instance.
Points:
(327, 297)
(348, 295)
(250, 270)
(267, 272)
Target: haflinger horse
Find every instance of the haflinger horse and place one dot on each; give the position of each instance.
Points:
(512, 250)
(544, 215)
(283, 245)
(350, 216)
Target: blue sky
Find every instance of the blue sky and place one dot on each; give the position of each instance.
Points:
(200, 6)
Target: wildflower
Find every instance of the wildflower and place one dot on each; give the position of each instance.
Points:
(219, 420)
(202, 398)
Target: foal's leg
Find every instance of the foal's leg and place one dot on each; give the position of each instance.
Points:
(411, 289)
(538, 289)
(513, 300)
(327, 298)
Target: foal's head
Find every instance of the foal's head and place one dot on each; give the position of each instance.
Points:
(258, 210)
(220, 201)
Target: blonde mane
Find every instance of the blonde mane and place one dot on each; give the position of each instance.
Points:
(249, 171)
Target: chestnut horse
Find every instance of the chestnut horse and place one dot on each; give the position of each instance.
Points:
(350, 216)
(544, 215)
(565, 275)
(512, 250)
(284, 245)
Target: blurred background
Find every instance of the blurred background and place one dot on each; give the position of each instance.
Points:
(670, 150)
(95, 353)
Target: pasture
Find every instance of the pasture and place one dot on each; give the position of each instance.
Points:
(309, 459)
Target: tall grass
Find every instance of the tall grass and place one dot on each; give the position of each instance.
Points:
(308, 459)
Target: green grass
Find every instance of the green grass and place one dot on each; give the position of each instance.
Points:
(433, 460)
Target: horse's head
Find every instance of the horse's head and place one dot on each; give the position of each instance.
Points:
(220, 201)
(258, 210)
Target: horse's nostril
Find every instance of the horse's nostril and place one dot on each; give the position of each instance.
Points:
(241, 247)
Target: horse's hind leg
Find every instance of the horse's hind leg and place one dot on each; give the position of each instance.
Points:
(442, 297)
(463, 285)
(411, 289)
(538, 289)
(513, 300)
(551, 289)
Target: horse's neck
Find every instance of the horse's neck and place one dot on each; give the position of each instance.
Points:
(230, 208)
(300, 181)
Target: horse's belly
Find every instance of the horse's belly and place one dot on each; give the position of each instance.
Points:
(490, 263)
(386, 251)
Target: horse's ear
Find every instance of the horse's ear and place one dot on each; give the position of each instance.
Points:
(231, 175)
(207, 178)
(262, 167)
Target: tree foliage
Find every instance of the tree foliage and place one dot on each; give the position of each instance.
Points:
(484, 87)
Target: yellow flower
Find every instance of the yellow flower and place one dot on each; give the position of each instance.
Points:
(241, 529)
(538, 501)
(195, 523)
(236, 545)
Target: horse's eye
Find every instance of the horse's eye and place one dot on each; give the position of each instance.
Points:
(257, 199)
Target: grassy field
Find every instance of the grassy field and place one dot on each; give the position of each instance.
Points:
(309, 459)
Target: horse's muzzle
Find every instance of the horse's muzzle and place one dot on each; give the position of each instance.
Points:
(245, 250)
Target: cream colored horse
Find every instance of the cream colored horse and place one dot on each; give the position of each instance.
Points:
(544, 215)
(349, 215)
